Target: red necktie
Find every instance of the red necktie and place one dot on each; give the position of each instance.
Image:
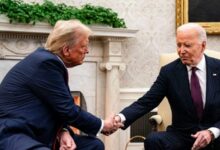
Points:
(196, 93)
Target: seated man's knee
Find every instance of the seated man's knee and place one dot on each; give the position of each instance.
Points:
(98, 144)
(152, 141)
(152, 137)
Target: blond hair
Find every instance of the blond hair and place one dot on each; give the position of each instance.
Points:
(65, 33)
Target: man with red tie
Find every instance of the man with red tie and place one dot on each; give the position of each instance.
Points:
(192, 86)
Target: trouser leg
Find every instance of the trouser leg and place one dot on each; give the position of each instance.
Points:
(21, 142)
(88, 143)
(167, 141)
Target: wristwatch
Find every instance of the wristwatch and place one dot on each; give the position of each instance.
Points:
(212, 135)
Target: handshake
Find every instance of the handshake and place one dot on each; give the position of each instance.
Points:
(112, 124)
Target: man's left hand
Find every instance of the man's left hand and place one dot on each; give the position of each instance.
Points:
(66, 141)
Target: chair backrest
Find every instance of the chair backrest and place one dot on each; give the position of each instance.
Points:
(164, 107)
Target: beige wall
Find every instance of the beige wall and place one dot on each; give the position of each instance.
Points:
(155, 20)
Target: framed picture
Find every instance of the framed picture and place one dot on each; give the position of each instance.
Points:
(203, 12)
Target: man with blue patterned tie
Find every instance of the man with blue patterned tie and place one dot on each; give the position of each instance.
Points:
(35, 100)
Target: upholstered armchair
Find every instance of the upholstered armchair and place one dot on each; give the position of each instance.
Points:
(163, 118)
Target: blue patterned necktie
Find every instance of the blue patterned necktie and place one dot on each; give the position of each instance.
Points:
(196, 93)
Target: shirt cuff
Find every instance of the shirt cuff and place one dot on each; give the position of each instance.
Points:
(102, 125)
(215, 131)
(123, 119)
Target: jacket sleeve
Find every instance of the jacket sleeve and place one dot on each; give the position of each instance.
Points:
(147, 102)
(48, 83)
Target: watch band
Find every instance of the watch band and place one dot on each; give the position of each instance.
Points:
(212, 135)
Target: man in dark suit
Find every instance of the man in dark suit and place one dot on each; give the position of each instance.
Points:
(35, 100)
(195, 111)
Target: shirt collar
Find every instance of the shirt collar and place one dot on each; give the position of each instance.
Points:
(201, 65)
(61, 61)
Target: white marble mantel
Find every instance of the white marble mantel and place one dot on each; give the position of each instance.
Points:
(44, 28)
(97, 78)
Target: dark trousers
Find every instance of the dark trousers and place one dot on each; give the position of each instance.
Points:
(24, 142)
(174, 141)
(88, 143)
(21, 142)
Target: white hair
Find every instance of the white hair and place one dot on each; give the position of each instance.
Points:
(200, 30)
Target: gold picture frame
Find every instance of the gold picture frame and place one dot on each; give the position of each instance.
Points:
(182, 16)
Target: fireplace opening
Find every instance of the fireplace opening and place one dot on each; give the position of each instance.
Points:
(78, 99)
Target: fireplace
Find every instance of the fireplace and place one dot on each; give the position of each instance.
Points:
(79, 100)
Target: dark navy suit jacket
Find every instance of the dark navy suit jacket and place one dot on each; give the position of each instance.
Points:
(173, 83)
(35, 101)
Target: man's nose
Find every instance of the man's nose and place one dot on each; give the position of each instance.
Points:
(182, 49)
(86, 50)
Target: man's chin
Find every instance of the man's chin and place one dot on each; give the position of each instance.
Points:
(185, 62)
(70, 65)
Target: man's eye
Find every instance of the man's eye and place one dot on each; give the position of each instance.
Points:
(85, 46)
(188, 45)
(178, 45)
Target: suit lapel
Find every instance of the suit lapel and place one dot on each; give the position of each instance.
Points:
(66, 76)
(211, 79)
(57, 58)
(183, 85)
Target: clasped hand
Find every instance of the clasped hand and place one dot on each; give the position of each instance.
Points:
(111, 124)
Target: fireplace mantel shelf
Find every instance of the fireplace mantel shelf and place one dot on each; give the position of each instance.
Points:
(44, 28)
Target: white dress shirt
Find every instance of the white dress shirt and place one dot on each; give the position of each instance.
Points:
(201, 74)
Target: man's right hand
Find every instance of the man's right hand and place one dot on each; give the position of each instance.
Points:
(202, 139)
(111, 124)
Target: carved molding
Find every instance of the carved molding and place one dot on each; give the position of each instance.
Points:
(18, 40)
(18, 35)
(44, 28)
(113, 49)
(109, 65)
(182, 16)
(179, 13)
(12, 48)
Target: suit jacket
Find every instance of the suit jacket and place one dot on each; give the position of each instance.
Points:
(173, 83)
(35, 100)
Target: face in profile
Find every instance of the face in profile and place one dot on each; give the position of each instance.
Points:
(75, 55)
(190, 49)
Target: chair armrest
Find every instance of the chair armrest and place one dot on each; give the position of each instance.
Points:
(155, 121)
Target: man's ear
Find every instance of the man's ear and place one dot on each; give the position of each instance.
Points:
(65, 51)
(203, 45)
